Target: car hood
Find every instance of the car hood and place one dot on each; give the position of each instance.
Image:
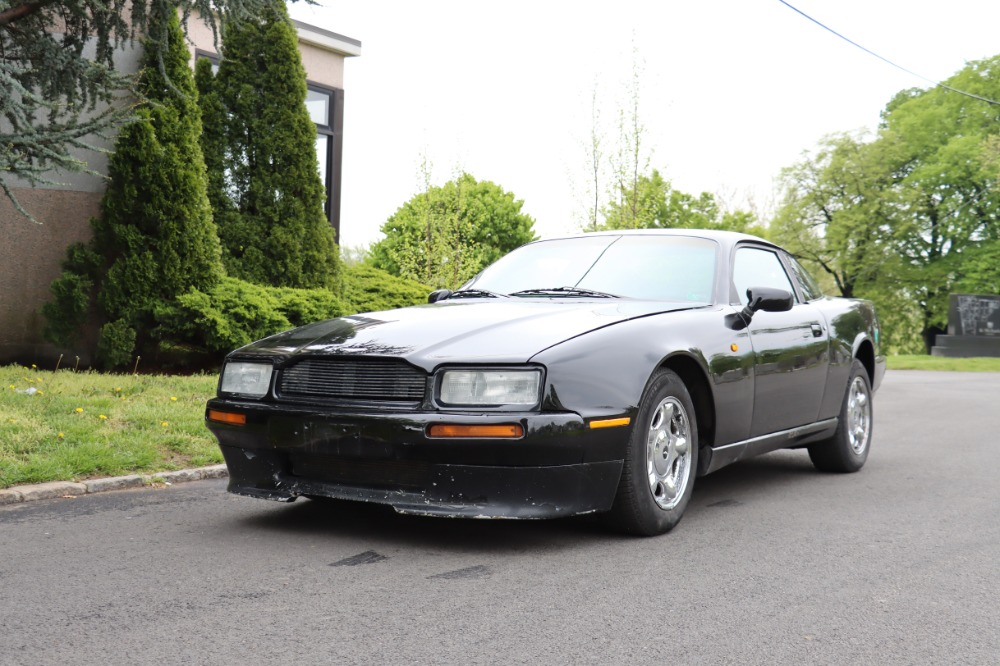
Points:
(480, 331)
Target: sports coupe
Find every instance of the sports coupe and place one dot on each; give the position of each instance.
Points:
(601, 372)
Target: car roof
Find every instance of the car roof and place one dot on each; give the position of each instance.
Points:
(724, 238)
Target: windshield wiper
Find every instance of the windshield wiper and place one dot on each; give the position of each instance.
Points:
(476, 293)
(567, 291)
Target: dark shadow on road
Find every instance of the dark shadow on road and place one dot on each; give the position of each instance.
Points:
(755, 476)
(377, 522)
(736, 484)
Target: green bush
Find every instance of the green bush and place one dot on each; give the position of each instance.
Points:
(445, 235)
(368, 289)
(72, 296)
(115, 346)
(235, 313)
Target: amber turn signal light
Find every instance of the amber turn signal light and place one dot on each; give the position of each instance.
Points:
(506, 430)
(610, 423)
(227, 417)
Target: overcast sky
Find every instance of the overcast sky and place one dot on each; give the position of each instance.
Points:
(731, 91)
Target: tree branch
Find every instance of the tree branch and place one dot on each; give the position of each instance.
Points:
(12, 14)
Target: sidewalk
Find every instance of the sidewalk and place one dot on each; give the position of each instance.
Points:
(55, 489)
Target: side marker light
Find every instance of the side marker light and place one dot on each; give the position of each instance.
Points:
(610, 423)
(227, 417)
(506, 430)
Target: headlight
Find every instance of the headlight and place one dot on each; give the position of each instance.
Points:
(490, 388)
(252, 379)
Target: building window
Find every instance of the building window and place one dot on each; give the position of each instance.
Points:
(319, 103)
(211, 57)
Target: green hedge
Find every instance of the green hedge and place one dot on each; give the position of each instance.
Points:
(235, 313)
(368, 289)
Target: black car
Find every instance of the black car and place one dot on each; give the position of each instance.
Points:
(601, 372)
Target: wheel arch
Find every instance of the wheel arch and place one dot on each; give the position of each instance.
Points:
(696, 381)
(865, 352)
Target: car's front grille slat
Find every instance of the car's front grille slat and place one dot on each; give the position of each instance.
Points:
(377, 380)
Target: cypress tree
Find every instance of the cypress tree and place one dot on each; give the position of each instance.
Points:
(279, 235)
(213, 147)
(155, 234)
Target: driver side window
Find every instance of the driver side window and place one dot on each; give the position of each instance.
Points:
(755, 267)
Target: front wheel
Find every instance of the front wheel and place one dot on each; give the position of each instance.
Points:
(848, 449)
(661, 459)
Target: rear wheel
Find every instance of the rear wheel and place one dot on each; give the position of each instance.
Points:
(661, 459)
(848, 449)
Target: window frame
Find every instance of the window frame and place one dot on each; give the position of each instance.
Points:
(734, 296)
(334, 129)
(791, 262)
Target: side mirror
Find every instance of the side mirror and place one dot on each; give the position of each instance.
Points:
(438, 295)
(767, 299)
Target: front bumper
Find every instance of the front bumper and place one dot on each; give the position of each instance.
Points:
(559, 468)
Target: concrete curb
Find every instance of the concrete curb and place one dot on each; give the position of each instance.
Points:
(54, 489)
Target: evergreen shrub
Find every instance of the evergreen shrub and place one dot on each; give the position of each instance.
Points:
(369, 289)
(72, 293)
(235, 313)
(116, 343)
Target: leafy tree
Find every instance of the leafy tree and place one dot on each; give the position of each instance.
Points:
(911, 215)
(982, 270)
(657, 205)
(261, 147)
(59, 75)
(838, 216)
(155, 238)
(838, 211)
(445, 235)
(642, 206)
(949, 203)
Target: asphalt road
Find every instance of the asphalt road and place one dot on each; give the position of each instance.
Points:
(774, 563)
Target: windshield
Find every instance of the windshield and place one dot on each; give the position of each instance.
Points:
(665, 268)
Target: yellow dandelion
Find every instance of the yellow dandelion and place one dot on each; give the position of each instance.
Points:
(78, 410)
(41, 393)
(102, 417)
(34, 367)
(118, 390)
(173, 398)
(13, 386)
(62, 435)
(164, 424)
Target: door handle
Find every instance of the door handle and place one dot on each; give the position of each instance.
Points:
(817, 330)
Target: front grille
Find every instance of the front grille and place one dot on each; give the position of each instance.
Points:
(376, 380)
(398, 474)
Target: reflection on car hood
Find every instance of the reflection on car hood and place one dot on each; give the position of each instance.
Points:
(482, 331)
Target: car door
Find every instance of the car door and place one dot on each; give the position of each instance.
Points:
(791, 349)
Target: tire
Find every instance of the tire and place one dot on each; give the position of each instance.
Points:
(848, 449)
(660, 461)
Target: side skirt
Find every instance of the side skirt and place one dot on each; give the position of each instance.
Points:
(727, 454)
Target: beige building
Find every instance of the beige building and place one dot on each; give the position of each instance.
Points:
(31, 254)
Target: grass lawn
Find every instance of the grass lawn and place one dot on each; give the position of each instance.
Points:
(914, 362)
(65, 425)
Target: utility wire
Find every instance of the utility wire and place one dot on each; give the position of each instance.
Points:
(937, 84)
